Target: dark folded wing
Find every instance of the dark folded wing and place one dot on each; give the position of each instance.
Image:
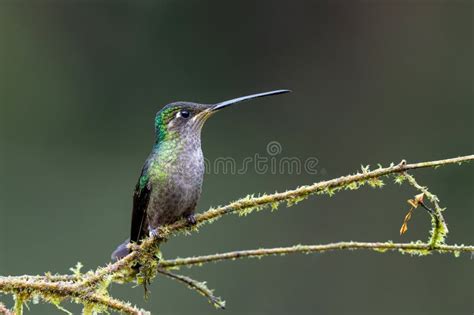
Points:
(141, 198)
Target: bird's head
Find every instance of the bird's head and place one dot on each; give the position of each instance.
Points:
(184, 118)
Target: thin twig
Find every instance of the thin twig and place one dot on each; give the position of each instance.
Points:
(439, 229)
(200, 287)
(306, 249)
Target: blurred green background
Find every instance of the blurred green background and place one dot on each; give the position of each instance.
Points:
(373, 82)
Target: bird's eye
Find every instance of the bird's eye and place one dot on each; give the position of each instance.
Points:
(184, 113)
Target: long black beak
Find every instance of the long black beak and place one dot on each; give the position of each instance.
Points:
(221, 105)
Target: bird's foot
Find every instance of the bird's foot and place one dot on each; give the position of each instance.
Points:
(191, 220)
(154, 232)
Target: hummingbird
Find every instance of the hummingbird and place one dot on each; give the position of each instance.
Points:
(170, 183)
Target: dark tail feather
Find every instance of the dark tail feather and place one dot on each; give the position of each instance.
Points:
(121, 251)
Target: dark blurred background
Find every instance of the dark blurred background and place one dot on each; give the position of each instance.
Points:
(373, 82)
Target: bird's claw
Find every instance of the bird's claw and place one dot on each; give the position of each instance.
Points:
(154, 232)
(191, 220)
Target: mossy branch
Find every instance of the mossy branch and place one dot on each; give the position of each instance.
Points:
(56, 292)
(410, 248)
(91, 289)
